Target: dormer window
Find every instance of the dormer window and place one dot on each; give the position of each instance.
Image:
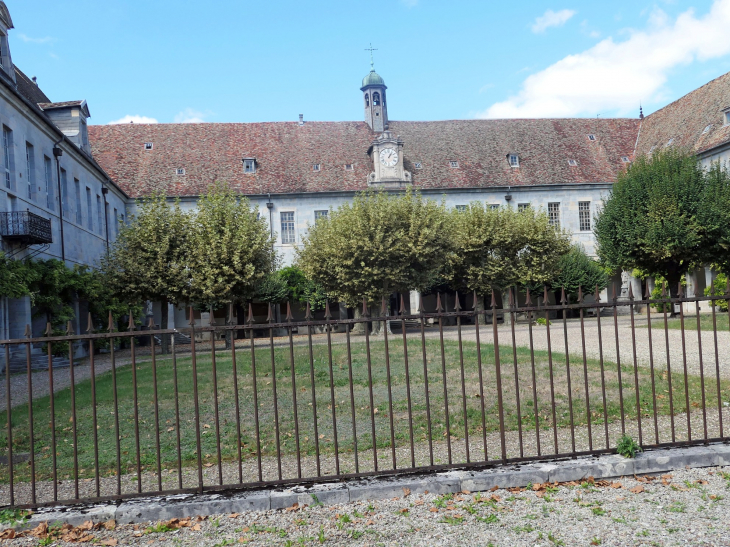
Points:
(670, 142)
(707, 129)
(148, 146)
(514, 160)
(417, 165)
(349, 167)
(625, 159)
(180, 171)
(249, 165)
(454, 164)
(316, 167)
(572, 163)
(726, 117)
(591, 137)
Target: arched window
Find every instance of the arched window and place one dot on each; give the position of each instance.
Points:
(376, 99)
(367, 100)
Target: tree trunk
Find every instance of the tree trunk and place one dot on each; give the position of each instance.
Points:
(358, 328)
(165, 338)
(674, 278)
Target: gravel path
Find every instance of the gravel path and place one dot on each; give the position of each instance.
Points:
(687, 507)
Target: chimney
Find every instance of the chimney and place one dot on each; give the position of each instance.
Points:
(301, 119)
(35, 80)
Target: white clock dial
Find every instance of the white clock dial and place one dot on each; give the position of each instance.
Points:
(388, 157)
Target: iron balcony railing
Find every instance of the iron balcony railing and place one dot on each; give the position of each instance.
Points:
(25, 227)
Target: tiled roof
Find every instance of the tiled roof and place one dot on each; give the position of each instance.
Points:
(694, 122)
(28, 89)
(64, 104)
(285, 153)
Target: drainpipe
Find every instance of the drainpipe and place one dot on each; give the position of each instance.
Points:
(270, 207)
(104, 192)
(57, 153)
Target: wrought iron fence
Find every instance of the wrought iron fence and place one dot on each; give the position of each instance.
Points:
(436, 390)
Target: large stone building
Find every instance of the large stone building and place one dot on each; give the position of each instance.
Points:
(56, 201)
(297, 171)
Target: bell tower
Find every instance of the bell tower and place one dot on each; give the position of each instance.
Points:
(374, 101)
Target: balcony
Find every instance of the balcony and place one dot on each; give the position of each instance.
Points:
(25, 227)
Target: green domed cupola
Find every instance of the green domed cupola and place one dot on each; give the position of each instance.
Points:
(373, 78)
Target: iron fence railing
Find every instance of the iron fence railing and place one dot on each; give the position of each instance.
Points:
(289, 408)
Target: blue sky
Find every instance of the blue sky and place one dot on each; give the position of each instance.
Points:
(244, 61)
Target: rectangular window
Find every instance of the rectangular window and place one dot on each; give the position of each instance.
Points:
(180, 171)
(48, 177)
(727, 118)
(349, 167)
(316, 167)
(99, 216)
(287, 228)
(554, 214)
(320, 214)
(454, 164)
(148, 146)
(64, 193)
(418, 165)
(89, 214)
(249, 165)
(461, 208)
(30, 168)
(493, 206)
(8, 156)
(77, 188)
(522, 206)
(116, 222)
(584, 215)
(514, 160)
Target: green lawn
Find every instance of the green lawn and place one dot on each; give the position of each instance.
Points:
(227, 418)
(690, 322)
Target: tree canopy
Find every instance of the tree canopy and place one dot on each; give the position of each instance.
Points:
(653, 218)
(715, 217)
(499, 248)
(577, 269)
(379, 244)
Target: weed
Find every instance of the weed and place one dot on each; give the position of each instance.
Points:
(320, 537)
(46, 541)
(225, 542)
(452, 520)
(441, 501)
(527, 528)
(345, 519)
(643, 533)
(489, 519)
(216, 523)
(677, 507)
(470, 509)
(555, 540)
(371, 508)
(357, 514)
(356, 534)
(598, 511)
(11, 516)
(300, 522)
(620, 520)
(596, 541)
(690, 484)
(530, 517)
(542, 321)
(159, 528)
(627, 447)
(315, 501)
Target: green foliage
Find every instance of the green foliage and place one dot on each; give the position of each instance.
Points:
(302, 289)
(273, 289)
(577, 269)
(503, 247)
(720, 286)
(378, 244)
(542, 321)
(229, 250)
(15, 277)
(715, 216)
(651, 221)
(148, 260)
(627, 447)
(13, 516)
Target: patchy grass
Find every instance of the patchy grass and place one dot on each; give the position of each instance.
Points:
(690, 321)
(310, 384)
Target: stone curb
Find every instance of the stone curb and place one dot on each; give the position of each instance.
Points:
(519, 475)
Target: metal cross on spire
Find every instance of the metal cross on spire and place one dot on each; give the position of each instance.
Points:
(371, 49)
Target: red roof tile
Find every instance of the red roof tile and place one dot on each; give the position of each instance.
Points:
(285, 153)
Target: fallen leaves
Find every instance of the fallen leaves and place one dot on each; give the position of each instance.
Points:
(67, 533)
(638, 489)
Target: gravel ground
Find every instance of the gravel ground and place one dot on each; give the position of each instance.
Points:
(687, 507)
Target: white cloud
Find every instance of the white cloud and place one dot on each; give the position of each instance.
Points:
(134, 119)
(189, 116)
(616, 76)
(29, 40)
(552, 19)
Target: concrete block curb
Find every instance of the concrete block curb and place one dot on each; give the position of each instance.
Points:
(189, 505)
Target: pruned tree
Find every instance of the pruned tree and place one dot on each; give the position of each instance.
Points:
(229, 249)
(652, 219)
(500, 248)
(576, 269)
(149, 259)
(379, 244)
(715, 217)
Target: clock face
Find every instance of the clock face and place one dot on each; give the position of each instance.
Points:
(388, 157)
